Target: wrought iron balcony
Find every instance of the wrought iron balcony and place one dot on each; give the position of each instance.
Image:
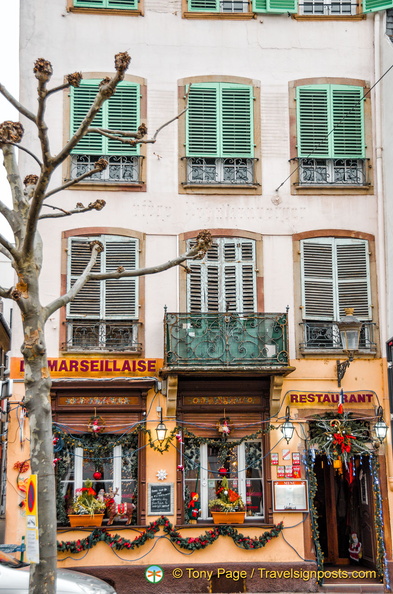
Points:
(231, 171)
(226, 340)
(121, 169)
(102, 335)
(319, 336)
(346, 172)
(328, 7)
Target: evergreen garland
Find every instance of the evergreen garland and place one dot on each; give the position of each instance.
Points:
(381, 562)
(119, 543)
(312, 491)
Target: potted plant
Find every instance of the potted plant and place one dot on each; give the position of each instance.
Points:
(86, 509)
(228, 507)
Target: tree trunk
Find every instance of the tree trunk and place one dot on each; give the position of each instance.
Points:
(38, 406)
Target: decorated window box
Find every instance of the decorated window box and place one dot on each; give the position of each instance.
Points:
(84, 520)
(86, 509)
(228, 517)
(228, 508)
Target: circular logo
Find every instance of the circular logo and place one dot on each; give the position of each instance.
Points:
(154, 574)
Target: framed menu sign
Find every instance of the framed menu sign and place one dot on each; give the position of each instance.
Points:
(290, 496)
(160, 499)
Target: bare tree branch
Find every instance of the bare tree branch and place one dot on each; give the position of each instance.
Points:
(97, 247)
(167, 124)
(6, 293)
(10, 248)
(7, 214)
(56, 89)
(5, 252)
(22, 148)
(79, 208)
(100, 165)
(43, 72)
(13, 175)
(21, 108)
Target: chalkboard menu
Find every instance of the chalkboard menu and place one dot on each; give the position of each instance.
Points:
(160, 497)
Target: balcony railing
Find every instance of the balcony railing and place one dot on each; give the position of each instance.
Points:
(223, 340)
(120, 169)
(326, 336)
(230, 171)
(346, 172)
(103, 335)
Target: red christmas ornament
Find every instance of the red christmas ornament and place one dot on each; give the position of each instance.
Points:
(97, 475)
(222, 471)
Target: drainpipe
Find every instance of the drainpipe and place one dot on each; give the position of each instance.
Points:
(379, 194)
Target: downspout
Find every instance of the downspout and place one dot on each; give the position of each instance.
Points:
(381, 261)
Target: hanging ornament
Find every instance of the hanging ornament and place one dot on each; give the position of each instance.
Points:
(180, 467)
(340, 408)
(223, 427)
(162, 475)
(97, 475)
(22, 466)
(222, 471)
(96, 425)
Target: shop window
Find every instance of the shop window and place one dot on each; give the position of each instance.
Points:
(244, 467)
(335, 276)
(120, 112)
(220, 135)
(118, 465)
(225, 280)
(104, 316)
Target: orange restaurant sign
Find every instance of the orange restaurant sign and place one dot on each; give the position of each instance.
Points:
(330, 398)
(94, 367)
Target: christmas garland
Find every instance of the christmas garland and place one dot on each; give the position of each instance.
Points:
(312, 491)
(119, 543)
(340, 436)
(381, 562)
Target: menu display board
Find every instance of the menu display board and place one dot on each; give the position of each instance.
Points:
(160, 499)
(290, 496)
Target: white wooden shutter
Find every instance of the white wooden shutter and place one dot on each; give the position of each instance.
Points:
(106, 299)
(335, 275)
(225, 279)
(87, 303)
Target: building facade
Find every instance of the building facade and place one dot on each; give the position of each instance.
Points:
(277, 153)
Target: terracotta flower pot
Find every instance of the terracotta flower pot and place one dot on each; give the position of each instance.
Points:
(85, 520)
(220, 517)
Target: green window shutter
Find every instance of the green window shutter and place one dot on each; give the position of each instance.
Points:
(90, 3)
(259, 5)
(237, 121)
(281, 6)
(318, 279)
(374, 5)
(348, 122)
(121, 295)
(123, 4)
(353, 277)
(202, 138)
(204, 5)
(87, 303)
(82, 98)
(123, 114)
(277, 6)
(313, 121)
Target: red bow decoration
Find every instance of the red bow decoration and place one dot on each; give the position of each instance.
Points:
(339, 439)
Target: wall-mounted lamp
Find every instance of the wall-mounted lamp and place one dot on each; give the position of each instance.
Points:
(161, 427)
(380, 427)
(287, 428)
(349, 328)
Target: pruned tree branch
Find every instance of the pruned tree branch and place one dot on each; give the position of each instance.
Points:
(22, 148)
(13, 176)
(6, 293)
(100, 165)
(5, 252)
(97, 248)
(79, 208)
(43, 72)
(21, 108)
(10, 248)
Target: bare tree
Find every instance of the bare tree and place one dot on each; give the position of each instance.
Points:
(26, 253)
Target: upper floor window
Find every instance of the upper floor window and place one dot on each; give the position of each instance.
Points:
(328, 7)
(220, 134)
(225, 280)
(107, 4)
(120, 112)
(240, 7)
(226, 6)
(104, 316)
(335, 276)
(331, 147)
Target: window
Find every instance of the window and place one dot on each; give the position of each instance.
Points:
(244, 472)
(120, 112)
(274, 6)
(335, 276)
(118, 466)
(107, 4)
(220, 135)
(104, 315)
(225, 280)
(225, 6)
(328, 7)
(331, 135)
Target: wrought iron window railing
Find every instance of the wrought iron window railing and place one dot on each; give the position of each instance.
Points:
(332, 171)
(126, 169)
(226, 339)
(231, 171)
(328, 8)
(233, 6)
(102, 335)
(326, 336)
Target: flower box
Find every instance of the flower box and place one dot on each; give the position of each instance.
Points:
(221, 517)
(85, 520)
